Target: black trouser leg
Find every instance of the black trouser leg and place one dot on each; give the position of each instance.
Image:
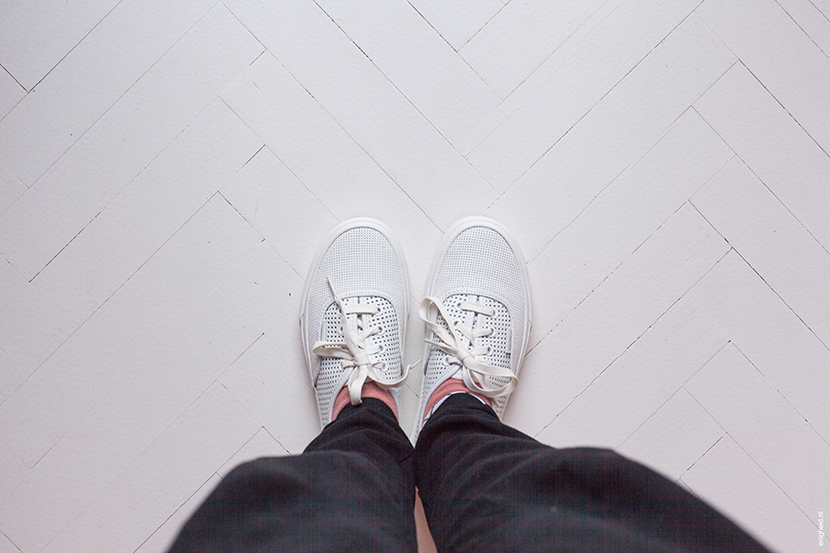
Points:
(352, 489)
(488, 487)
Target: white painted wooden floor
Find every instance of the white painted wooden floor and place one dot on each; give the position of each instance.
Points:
(167, 170)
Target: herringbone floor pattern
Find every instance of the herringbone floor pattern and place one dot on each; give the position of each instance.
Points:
(167, 170)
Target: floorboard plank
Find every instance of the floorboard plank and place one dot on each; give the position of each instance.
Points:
(614, 135)
(614, 317)
(574, 90)
(767, 40)
(123, 142)
(97, 72)
(772, 242)
(369, 108)
(415, 59)
(773, 145)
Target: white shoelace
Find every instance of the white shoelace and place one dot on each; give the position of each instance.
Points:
(354, 351)
(474, 372)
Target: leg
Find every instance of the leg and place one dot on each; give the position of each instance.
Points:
(353, 485)
(488, 487)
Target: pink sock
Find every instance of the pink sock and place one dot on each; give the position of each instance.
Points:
(449, 386)
(370, 389)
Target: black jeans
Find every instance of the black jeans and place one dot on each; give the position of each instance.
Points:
(484, 486)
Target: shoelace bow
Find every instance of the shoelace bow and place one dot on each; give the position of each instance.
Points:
(354, 351)
(474, 371)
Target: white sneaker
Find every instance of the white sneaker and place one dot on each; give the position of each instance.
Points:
(354, 311)
(477, 311)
